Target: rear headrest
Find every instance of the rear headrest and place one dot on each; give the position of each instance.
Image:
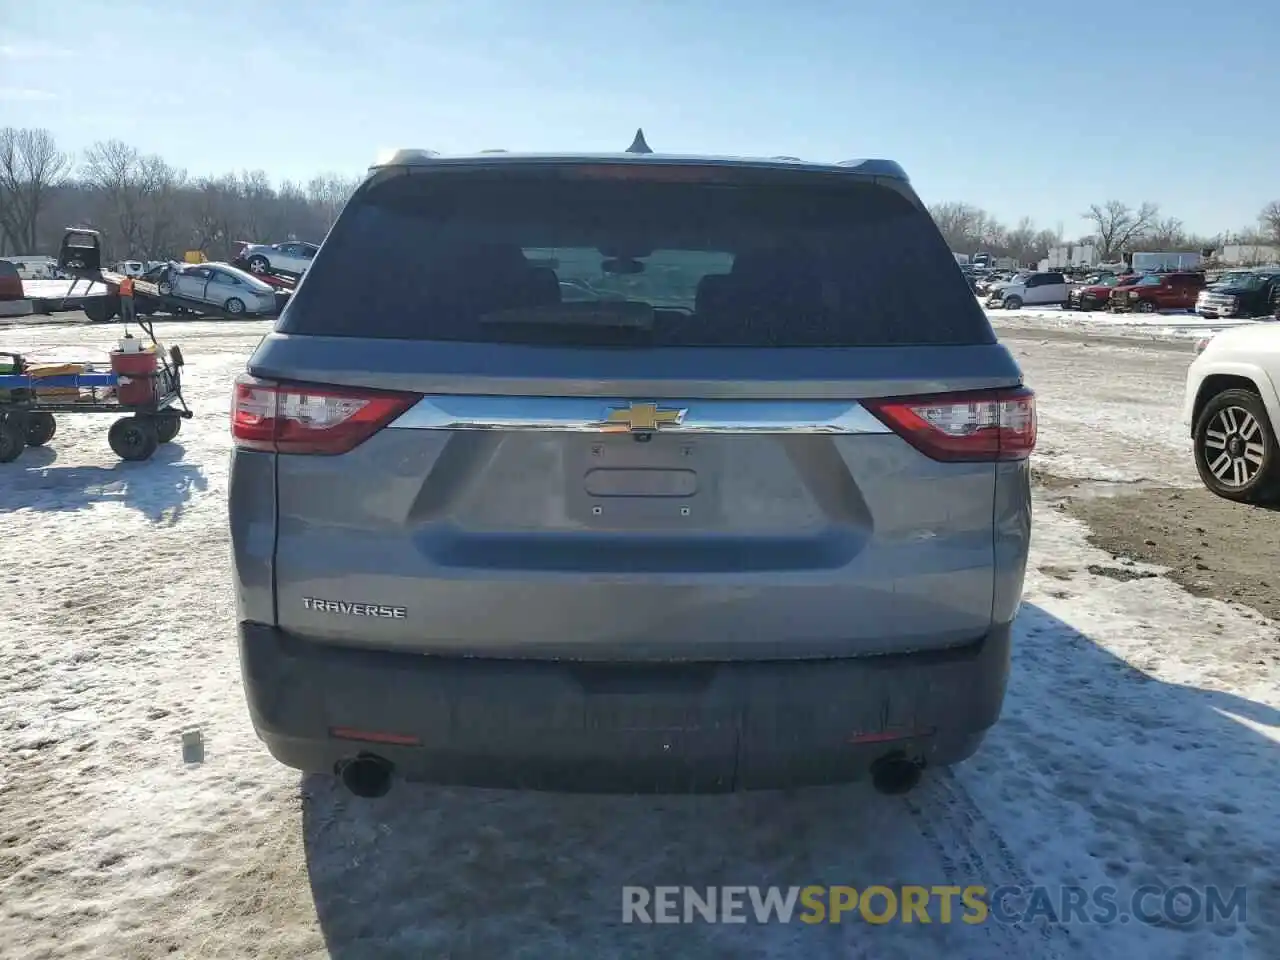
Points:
(543, 287)
(752, 262)
(714, 291)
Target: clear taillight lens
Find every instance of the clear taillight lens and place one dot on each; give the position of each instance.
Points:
(309, 418)
(990, 425)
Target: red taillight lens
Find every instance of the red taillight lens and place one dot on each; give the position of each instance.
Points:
(10, 287)
(991, 425)
(309, 418)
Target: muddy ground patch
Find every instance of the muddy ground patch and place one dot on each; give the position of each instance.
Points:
(1211, 546)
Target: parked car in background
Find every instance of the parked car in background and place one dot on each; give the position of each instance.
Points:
(1218, 278)
(992, 279)
(1097, 296)
(1244, 295)
(1096, 277)
(13, 299)
(292, 257)
(1159, 291)
(1233, 408)
(33, 267)
(232, 289)
(1030, 289)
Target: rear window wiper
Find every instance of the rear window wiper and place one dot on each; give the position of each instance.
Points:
(600, 313)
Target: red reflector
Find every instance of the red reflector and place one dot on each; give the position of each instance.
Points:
(887, 736)
(373, 736)
(309, 418)
(960, 427)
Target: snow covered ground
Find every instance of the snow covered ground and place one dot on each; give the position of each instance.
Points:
(1138, 746)
(1108, 411)
(1125, 324)
(52, 289)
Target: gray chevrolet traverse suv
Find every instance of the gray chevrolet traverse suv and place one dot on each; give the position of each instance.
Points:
(632, 473)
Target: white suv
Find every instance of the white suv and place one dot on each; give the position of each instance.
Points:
(1233, 408)
(1030, 289)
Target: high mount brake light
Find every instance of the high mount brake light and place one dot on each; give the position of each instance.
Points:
(309, 418)
(958, 427)
(649, 172)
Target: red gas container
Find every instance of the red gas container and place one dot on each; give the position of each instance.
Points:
(136, 370)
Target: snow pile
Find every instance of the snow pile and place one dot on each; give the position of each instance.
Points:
(1138, 746)
(1178, 325)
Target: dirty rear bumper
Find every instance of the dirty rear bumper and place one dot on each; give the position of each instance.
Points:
(680, 727)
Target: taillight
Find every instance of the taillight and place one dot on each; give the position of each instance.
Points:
(309, 418)
(10, 286)
(990, 425)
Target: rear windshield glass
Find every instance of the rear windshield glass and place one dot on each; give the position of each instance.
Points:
(527, 257)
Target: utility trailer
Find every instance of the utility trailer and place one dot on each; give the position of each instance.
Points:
(80, 257)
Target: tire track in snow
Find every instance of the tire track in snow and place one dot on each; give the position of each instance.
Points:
(971, 850)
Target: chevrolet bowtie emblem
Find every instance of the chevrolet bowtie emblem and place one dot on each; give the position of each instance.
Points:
(642, 418)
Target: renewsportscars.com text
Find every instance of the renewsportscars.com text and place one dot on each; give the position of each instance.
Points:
(974, 904)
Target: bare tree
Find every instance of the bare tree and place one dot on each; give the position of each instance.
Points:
(1269, 221)
(1117, 225)
(956, 223)
(329, 192)
(259, 217)
(994, 235)
(966, 228)
(141, 197)
(160, 193)
(144, 207)
(31, 166)
(215, 215)
(114, 169)
(970, 229)
(147, 209)
(1026, 244)
(1047, 239)
(1169, 235)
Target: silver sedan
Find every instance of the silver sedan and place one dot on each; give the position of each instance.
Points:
(222, 285)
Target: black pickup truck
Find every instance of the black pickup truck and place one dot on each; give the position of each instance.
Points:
(1254, 294)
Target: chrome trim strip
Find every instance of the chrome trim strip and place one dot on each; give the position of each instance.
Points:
(588, 415)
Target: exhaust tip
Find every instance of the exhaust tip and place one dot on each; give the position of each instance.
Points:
(366, 775)
(895, 775)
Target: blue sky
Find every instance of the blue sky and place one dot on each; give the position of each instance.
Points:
(1009, 106)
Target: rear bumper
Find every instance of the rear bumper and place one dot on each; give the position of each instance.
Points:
(703, 727)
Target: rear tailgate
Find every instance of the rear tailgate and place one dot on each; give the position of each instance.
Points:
(654, 432)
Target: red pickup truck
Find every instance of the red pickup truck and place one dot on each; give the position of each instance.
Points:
(1159, 291)
(1094, 296)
